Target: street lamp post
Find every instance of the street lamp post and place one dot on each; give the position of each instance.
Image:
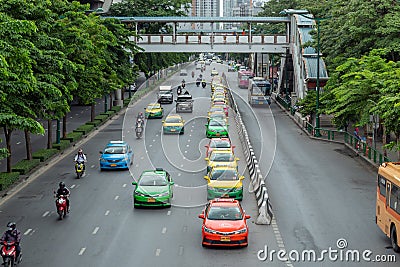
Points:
(317, 20)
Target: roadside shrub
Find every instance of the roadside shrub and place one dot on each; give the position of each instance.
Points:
(95, 122)
(73, 136)
(116, 108)
(8, 178)
(44, 154)
(24, 166)
(62, 145)
(86, 128)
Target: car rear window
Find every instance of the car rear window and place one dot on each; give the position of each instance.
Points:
(224, 213)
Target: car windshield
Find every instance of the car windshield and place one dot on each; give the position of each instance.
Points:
(217, 109)
(224, 213)
(152, 180)
(220, 144)
(155, 106)
(217, 123)
(225, 157)
(173, 120)
(224, 175)
(115, 150)
(218, 116)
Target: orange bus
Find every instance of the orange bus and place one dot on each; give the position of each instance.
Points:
(388, 202)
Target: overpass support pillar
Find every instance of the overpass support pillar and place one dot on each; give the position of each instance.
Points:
(118, 101)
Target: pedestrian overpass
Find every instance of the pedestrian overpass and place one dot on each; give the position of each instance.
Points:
(212, 40)
(301, 66)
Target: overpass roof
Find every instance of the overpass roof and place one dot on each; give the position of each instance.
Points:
(203, 19)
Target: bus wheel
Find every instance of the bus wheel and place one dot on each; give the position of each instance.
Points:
(393, 239)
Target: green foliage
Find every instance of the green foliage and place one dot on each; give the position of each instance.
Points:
(44, 154)
(102, 117)
(62, 145)
(85, 129)
(25, 166)
(7, 179)
(116, 108)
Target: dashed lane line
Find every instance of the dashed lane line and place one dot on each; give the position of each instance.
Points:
(81, 251)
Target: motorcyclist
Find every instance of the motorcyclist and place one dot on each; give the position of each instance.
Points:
(12, 234)
(192, 74)
(203, 83)
(183, 83)
(62, 190)
(140, 116)
(80, 158)
(179, 90)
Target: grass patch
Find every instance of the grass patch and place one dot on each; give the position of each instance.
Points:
(7, 179)
(101, 117)
(73, 136)
(24, 166)
(86, 128)
(116, 108)
(62, 145)
(95, 123)
(44, 154)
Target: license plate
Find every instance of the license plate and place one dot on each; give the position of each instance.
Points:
(172, 130)
(225, 238)
(225, 195)
(113, 165)
(151, 200)
(217, 134)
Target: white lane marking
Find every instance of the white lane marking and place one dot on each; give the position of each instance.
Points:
(181, 165)
(72, 186)
(164, 230)
(82, 251)
(107, 212)
(185, 152)
(190, 135)
(158, 251)
(141, 157)
(180, 250)
(18, 143)
(124, 185)
(179, 174)
(188, 140)
(95, 230)
(137, 165)
(28, 231)
(279, 240)
(191, 130)
(154, 140)
(116, 197)
(92, 166)
(150, 145)
(169, 213)
(45, 214)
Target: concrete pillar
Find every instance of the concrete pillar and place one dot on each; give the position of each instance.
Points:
(118, 101)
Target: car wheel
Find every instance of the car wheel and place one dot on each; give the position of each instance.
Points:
(182, 131)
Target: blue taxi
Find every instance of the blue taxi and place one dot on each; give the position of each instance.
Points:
(116, 155)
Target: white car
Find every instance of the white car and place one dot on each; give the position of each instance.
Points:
(183, 72)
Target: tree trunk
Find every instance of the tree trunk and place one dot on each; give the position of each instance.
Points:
(397, 146)
(28, 145)
(92, 112)
(49, 134)
(64, 130)
(110, 101)
(7, 133)
(384, 141)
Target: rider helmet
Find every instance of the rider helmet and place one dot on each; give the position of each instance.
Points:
(62, 185)
(80, 151)
(11, 226)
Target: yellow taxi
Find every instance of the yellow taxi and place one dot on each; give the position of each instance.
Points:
(154, 110)
(214, 72)
(173, 124)
(224, 182)
(221, 158)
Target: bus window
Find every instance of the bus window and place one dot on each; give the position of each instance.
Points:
(394, 199)
(382, 185)
(243, 78)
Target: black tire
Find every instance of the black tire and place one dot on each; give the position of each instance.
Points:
(60, 215)
(393, 239)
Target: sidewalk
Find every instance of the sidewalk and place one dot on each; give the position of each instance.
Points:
(301, 123)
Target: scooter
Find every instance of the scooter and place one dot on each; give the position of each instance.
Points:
(79, 169)
(139, 129)
(9, 254)
(61, 205)
(179, 90)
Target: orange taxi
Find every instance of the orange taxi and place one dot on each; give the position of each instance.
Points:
(224, 223)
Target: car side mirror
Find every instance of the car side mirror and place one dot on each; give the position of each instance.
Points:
(134, 183)
(201, 216)
(237, 159)
(233, 146)
(171, 183)
(247, 217)
(162, 121)
(207, 146)
(101, 152)
(206, 177)
(206, 159)
(241, 178)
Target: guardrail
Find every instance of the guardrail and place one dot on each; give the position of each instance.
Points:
(265, 214)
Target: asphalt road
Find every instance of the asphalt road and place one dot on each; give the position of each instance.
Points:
(320, 192)
(103, 229)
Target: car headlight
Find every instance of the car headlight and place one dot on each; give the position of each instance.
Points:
(103, 160)
(126, 158)
(163, 194)
(241, 231)
(208, 230)
(137, 193)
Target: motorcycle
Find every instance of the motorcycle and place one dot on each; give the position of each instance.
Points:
(61, 205)
(192, 74)
(203, 84)
(9, 254)
(139, 129)
(183, 84)
(179, 90)
(79, 169)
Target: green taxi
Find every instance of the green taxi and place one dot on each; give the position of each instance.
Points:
(154, 110)
(216, 128)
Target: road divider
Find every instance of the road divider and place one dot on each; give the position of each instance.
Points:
(265, 213)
